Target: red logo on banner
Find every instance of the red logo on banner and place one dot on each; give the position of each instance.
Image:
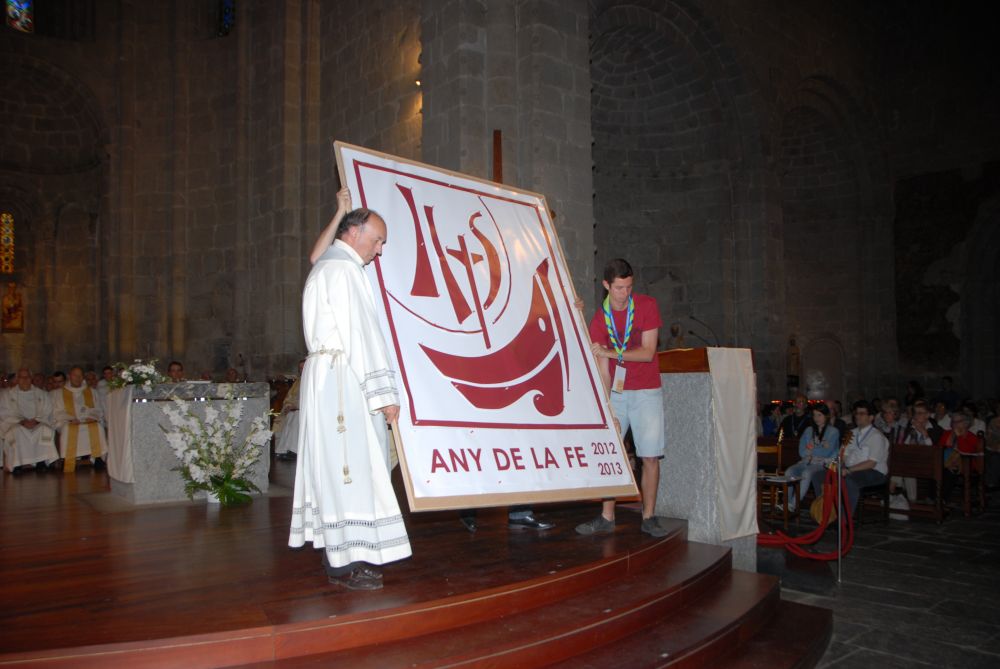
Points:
(533, 360)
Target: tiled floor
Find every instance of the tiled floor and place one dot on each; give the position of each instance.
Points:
(914, 594)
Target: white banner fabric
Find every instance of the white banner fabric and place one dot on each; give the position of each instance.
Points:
(734, 407)
(501, 401)
(119, 409)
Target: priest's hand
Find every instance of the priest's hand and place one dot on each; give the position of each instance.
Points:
(343, 201)
(326, 237)
(391, 413)
(29, 423)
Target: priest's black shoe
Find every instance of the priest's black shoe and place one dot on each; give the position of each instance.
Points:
(529, 523)
(100, 464)
(358, 579)
(469, 523)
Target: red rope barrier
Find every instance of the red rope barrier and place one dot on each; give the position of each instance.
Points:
(795, 544)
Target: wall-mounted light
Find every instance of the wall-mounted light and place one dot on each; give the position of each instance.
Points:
(417, 82)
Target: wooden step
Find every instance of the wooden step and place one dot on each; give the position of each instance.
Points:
(795, 637)
(483, 606)
(558, 630)
(697, 636)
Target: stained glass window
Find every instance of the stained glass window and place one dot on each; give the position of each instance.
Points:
(6, 243)
(227, 16)
(21, 15)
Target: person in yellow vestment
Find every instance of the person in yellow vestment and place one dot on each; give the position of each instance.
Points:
(77, 411)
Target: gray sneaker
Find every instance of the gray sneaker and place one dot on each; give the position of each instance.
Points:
(599, 525)
(652, 527)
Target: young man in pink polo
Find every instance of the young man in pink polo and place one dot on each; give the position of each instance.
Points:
(624, 333)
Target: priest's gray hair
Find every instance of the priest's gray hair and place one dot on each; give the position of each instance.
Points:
(353, 219)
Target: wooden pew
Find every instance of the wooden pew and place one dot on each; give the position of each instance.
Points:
(920, 462)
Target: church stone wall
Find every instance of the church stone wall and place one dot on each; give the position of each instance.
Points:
(942, 110)
(521, 68)
(763, 169)
(370, 86)
(52, 173)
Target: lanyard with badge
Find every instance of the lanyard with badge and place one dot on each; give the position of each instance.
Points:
(619, 343)
(859, 443)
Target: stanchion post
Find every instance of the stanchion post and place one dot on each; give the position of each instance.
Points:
(840, 516)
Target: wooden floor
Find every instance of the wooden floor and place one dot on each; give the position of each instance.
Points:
(91, 581)
(79, 569)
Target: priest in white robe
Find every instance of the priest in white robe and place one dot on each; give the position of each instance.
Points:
(344, 502)
(79, 413)
(26, 425)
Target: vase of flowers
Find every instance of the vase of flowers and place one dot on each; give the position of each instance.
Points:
(139, 373)
(212, 458)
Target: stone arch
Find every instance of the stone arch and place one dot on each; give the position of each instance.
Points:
(835, 232)
(52, 123)
(679, 168)
(980, 342)
(32, 231)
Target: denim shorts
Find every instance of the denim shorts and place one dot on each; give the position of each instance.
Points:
(642, 410)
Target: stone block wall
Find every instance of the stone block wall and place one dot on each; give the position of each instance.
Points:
(52, 173)
(681, 184)
(369, 90)
(705, 140)
(517, 67)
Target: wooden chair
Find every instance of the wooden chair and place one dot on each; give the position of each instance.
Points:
(974, 485)
(878, 492)
(769, 456)
(925, 464)
(789, 450)
(769, 463)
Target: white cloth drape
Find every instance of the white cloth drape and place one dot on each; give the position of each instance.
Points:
(734, 401)
(119, 409)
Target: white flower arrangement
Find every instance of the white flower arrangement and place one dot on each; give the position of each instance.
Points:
(139, 373)
(210, 457)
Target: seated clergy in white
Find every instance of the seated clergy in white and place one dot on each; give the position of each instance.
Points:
(78, 412)
(26, 425)
(286, 425)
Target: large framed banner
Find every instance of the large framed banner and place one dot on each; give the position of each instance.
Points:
(501, 401)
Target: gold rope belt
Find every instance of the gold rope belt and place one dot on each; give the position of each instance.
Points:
(341, 428)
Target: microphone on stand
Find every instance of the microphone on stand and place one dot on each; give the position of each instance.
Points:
(707, 327)
(692, 332)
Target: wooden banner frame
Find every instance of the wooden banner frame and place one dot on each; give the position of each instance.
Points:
(624, 484)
